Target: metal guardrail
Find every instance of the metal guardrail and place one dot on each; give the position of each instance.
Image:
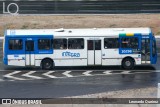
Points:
(80, 6)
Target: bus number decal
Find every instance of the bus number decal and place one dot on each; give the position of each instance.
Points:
(71, 54)
(126, 51)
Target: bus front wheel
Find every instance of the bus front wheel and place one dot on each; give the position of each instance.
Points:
(128, 63)
(47, 64)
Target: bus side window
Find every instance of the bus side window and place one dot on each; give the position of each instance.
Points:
(44, 44)
(75, 43)
(29, 45)
(15, 44)
(110, 43)
(129, 42)
(60, 44)
(90, 44)
(97, 44)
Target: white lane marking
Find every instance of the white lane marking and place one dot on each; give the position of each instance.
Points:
(12, 77)
(31, 76)
(48, 74)
(1, 80)
(87, 73)
(107, 72)
(66, 73)
(157, 70)
(126, 72)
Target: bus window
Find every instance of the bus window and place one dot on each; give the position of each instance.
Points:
(60, 43)
(29, 45)
(15, 44)
(129, 43)
(44, 44)
(97, 44)
(90, 44)
(111, 43)
(76, 43)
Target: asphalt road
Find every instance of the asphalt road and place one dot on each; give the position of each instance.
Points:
(65, 87)
(82, 7)
(66, 84)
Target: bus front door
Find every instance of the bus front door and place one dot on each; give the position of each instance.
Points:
(94, 52)
(29, 49)
(145, 50)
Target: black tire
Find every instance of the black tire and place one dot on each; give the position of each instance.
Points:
(47, 64)
(128, 63)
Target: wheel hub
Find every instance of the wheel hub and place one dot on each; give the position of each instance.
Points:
(128, 63)
(48, 65)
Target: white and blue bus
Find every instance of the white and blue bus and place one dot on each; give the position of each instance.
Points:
(47, 48)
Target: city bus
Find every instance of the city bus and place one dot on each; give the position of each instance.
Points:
(48, 48)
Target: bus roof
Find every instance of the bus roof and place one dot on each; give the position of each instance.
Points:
(78, 32)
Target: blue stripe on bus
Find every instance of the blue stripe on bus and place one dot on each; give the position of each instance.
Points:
(137, 34)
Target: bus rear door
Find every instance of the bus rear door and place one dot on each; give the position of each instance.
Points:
(94, 52)
(145, 50)
(29, 52)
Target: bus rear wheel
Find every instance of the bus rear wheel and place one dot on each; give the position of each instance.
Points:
(47, 64)
(128, 63)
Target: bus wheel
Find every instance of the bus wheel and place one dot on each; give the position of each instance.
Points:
(47, 64)
(128, 63)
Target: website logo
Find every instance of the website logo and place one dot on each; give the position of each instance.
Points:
(10, 8)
